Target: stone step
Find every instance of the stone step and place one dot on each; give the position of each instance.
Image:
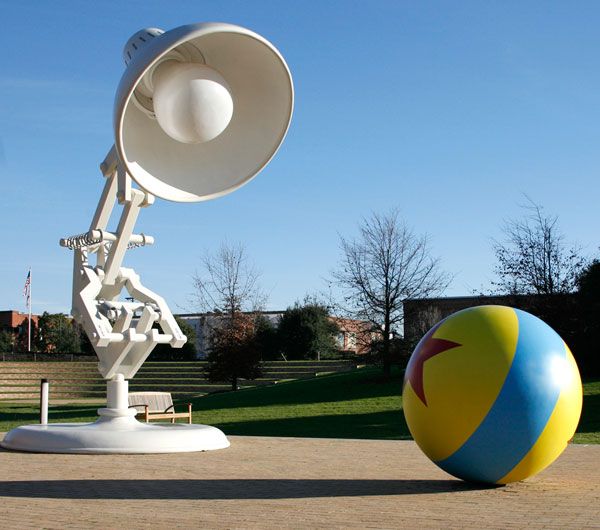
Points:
(21, 380)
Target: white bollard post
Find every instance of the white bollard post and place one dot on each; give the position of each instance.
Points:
(44, 391)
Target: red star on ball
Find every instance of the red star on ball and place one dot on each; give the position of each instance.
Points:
(427, 348)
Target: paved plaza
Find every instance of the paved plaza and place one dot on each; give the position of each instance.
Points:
(288, 483)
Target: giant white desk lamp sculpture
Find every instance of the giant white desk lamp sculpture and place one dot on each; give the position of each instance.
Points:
(199, 111)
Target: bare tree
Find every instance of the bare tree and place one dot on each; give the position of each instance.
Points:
(228, 286)
(228, 282)
(385, 265)
(534, 257)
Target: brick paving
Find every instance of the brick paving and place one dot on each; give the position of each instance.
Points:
(288, 483)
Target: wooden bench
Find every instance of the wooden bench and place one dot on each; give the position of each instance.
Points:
(157, 406)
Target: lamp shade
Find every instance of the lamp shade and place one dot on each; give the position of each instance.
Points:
(261, 89)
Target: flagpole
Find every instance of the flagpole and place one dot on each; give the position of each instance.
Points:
(29, 323)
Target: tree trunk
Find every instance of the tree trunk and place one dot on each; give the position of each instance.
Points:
(234, 384)
(387, 361)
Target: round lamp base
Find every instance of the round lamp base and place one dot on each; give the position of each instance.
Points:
(115, 435)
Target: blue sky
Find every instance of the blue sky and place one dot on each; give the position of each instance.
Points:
(449, 111)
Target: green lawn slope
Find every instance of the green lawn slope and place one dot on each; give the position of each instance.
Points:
(358, 404)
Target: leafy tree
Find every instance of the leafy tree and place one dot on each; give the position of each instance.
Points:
(586, 348)
(58, 333)
(233, 351)
(534, 257)
(164, 352)
(7, 341)
(400, 350)
(307, 332)
(588, 283)
(386, 264)
(87, 348)
(267, 338)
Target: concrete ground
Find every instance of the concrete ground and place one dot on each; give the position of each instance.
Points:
(288, 483)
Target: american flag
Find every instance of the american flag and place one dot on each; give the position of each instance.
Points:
(27, 287)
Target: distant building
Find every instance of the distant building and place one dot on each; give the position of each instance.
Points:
(204, 323)
(354, 335)
(17, 323)
(420, 314)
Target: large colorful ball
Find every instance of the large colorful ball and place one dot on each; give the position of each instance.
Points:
(492, 394)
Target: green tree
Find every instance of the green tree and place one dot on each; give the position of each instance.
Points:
(164, 352)
(7, 341)
(58, 333)
(307, 332)
(588, 294)
(233, 352)
(588, 283)
(87, 348)
(267, 338)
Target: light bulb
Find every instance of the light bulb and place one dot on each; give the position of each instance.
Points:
(192, 103)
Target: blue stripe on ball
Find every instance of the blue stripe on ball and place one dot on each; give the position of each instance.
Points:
(520, 412)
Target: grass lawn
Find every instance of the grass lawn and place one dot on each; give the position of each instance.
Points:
(357, 404)
(588, 431)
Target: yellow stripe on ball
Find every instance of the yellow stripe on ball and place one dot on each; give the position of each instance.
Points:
(560, 427)
(446, 375)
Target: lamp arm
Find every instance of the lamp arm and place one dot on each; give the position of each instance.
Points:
(121, 332)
